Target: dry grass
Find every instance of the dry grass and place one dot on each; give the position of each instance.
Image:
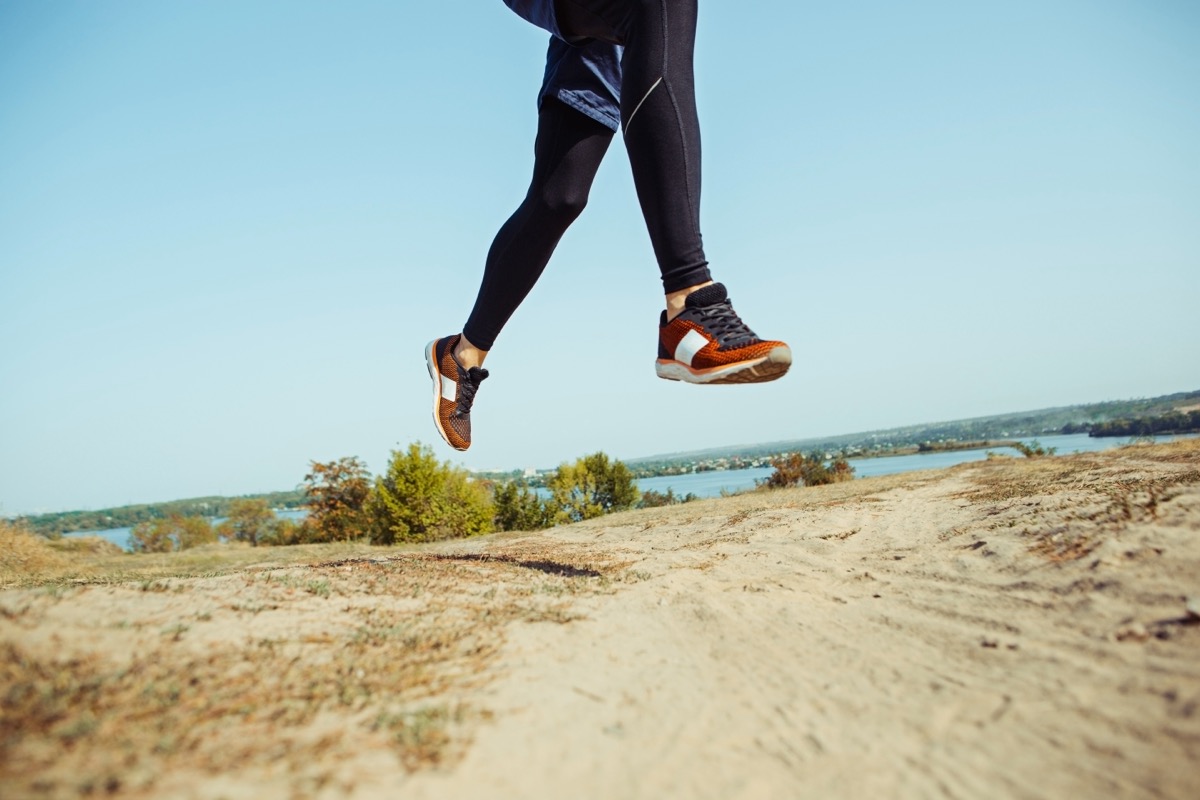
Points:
(1068, 505)
(266, 668)
(94, 546)
(27, 557)
(95, 562)
(133, 673)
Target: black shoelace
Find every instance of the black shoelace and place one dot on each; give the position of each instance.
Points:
(467, 388)
(723, 322)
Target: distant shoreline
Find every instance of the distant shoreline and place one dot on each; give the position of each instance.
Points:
(936, 437)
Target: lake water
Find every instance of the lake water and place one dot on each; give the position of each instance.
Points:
(711, 484)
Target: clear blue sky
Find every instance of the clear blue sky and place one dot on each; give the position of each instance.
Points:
(228, 228)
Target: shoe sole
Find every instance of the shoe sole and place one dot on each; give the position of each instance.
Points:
(436, 375)
(773, 366)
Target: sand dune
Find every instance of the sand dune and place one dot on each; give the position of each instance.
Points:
(1012, 628)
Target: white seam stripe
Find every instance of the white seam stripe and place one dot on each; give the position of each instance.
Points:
(638, 107)
(449, 389)
(687, 348)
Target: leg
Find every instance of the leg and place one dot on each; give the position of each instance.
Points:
(701, 337)
(567, 153)
(658, 113)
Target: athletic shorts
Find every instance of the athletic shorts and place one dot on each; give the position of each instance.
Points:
(585, 76)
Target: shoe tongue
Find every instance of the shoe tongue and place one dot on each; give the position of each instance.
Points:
(477, 374)
(706, 296)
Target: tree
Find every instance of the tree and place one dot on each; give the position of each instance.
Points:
(192, 532)
(592, 486)
(152, 536)
(420, 499)
(518, 508)
(654, 499)
(249, 520)
(174, 532)
(840, 470)
(286, 532)
(336, 495)
(794, 469)
(810, 470)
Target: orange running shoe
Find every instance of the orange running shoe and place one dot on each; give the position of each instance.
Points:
(454, 390)
(709, 343)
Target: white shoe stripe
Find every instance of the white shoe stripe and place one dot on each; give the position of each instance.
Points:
(449, 389)
(687, 348)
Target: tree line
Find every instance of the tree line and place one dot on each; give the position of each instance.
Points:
(416, 499)
(55, 524)
(1159, 425)
(421, 499)
(1128, 420)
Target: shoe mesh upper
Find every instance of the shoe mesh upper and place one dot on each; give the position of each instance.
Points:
(711, 355)
(709, 312)
(455, 415)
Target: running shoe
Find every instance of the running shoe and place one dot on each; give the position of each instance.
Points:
(454, 389)
(709, 343)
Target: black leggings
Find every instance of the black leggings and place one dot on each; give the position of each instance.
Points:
(662, 137)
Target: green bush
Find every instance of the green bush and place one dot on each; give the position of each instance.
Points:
(518, 508)
(420, 499)
(1034, 449)
(592, 486)
(168, 534)
(654, 499)
(249, 520)
(282, 532)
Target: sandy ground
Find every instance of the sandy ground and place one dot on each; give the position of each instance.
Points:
(1012, 628)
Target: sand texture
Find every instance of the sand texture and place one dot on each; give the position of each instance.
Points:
(1010, 628)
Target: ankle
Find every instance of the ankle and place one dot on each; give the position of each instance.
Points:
(467, 354)
(676, 300)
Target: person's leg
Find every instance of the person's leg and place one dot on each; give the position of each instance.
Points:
(661, 127)
(701, 337)
(567, 153)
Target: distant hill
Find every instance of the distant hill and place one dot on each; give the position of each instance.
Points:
(58, 523)
(1043, 422)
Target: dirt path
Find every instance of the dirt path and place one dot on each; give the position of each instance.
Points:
(1006, 629)
(903, 642)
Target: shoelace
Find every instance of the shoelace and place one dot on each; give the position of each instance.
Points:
(723, 322)
(467, 388)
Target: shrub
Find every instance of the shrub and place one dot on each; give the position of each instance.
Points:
(797, 469)
(1033, 449)
(592, 486)
(336, 495)
(840, 470)
(249, 520)
(518, 508)
(420, 499)
(283, 532)
(792, 469)
(25, 555)
(654, 499)
(86, 545)
(168, 534)
(151, 536)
